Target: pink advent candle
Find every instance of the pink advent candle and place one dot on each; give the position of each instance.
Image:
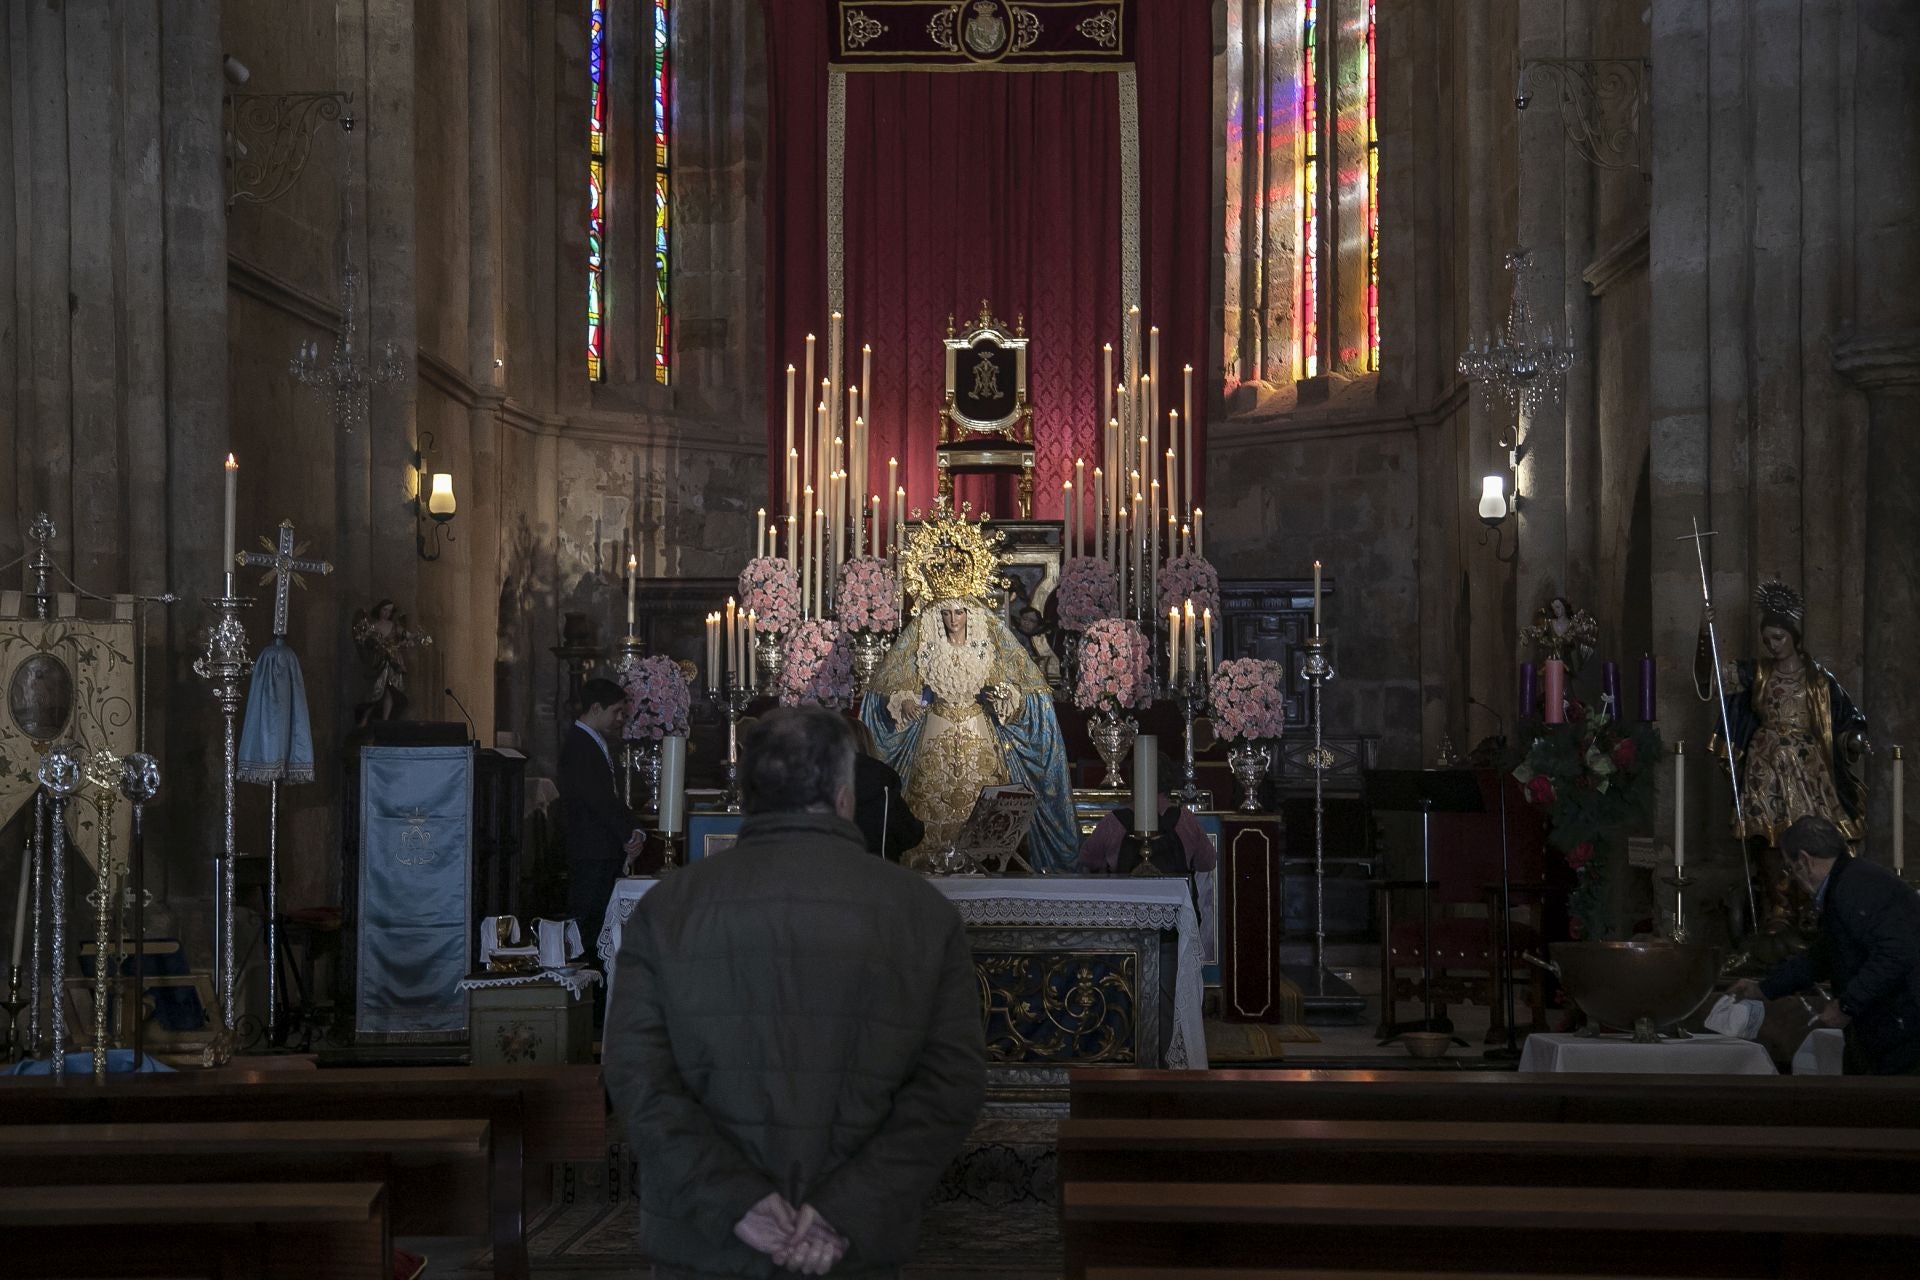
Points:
(1553, 673)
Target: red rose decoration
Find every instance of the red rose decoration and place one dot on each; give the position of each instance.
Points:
(1580, 855)
(1576, 710)
(1625, 753)
(1540, 789)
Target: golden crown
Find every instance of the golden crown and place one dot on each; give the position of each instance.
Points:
(950, 557)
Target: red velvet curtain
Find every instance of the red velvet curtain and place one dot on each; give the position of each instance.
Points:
(1004, 186)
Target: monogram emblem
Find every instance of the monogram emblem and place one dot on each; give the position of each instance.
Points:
(986, 379)
(416, 841)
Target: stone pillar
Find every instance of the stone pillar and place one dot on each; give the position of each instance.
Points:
(485, 351)
(391, 303)
(1883, 359)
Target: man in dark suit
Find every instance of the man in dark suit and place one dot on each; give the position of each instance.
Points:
(880, 810)
(599, 831)
(1868, 947)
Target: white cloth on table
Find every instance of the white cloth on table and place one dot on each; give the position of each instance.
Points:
(1619, 1055)
(1821, 1053)
(1733, 1017)
(1056, 901)
(574, 981)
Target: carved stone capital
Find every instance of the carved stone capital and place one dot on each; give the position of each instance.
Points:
(1878, 361)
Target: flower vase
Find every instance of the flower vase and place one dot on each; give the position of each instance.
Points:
(1113, 737)
(1249, 764)
(769, 657)
(643, 759)
(869, 650)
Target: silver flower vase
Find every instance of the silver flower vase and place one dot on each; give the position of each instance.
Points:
(1113, 737)
(1249, 764)
(869, 650)
(767, 653)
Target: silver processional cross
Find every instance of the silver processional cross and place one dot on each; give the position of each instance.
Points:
(284, 565)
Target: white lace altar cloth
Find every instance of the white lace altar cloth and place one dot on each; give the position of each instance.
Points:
(1057, 901)
(573, 981)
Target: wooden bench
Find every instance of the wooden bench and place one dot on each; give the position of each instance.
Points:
(1336, 1229)
(435, 1171)
(300, 1231)
(537, 1115)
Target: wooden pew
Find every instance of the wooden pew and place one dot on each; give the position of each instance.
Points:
(1336, 1229)
(435, 1171)
(537, 1115)
(300, 1231)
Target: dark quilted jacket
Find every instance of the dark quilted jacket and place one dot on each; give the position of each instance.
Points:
(792, 1015)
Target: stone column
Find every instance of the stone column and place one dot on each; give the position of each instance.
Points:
(1883, 360)
(485, 351)
(390, 281)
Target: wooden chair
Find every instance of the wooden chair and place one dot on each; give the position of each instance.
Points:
(1470, 962)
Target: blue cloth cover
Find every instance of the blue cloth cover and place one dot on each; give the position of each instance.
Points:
(276, 742)
(80, 1063)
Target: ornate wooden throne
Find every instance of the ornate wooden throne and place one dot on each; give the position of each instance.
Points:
(986, 423)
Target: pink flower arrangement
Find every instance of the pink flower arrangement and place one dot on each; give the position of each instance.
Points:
(1185, 578)
(866, 597)
(1249, 700)
(1089, 591)
(770, 588)
(818, 670)
(657, 699)
(1115, 673)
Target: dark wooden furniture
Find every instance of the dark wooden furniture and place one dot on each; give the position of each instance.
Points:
(296, 1230)
(1252, 850)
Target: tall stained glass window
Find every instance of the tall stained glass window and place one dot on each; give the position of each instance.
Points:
(597, 192)
(662, 192)
(1373, 197)
(1309, 190)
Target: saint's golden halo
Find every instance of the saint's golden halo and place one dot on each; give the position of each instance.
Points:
(950, 557)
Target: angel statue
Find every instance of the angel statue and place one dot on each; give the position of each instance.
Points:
(383, 638)
(958, 703)
(1798, 739)
(1561, 631)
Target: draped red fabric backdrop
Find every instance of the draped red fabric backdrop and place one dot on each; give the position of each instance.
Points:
(960, 186)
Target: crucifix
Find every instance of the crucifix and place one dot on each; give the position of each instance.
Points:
(284, 565)
(1699, 541)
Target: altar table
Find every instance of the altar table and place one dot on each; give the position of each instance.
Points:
(1071, 916)
(1703, 1054)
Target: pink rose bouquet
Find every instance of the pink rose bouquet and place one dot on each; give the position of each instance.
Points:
(1114, 668)
(1185, 578)
(657, 699)
(770, 588)
(865, 598)
(1089, 591)
(1249, 701)
(818, 670)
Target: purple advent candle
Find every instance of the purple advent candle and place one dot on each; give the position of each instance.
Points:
(1529, 690)
(1646, 688)
(1610, 688)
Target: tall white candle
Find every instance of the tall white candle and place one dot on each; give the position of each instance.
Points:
(1316, 597)
(1899, 810)
(733, 632)
(746, 650)
(878, 548)
(673, 784)
(1173, 645)
(1187, 621)
(789, 408)
(809, 436)
(226, 554)
(866, 382)
(808, 559)
(1187, 495)
(1679, 807)
(633, 578)
(1106, 381)
(1173, 492)
(1199, 538)
(1213, 655)
(1146, 784)
(1100, 514)
(761, 522)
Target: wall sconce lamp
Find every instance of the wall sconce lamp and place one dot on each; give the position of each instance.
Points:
(1500, 494)
(433, 502)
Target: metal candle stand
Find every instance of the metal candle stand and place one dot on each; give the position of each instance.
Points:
(13, 1004)
(103, 775)
(1190, 695)
(224, 666)
(1318, 671)
(1681, 882)
(732, 699)
(61, 774)
(139, 783)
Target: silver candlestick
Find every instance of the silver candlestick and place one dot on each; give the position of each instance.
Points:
(1681, 882)
(732, 700)
(39, 973)
(224, 666)
(1190, 695)
(1318, 671)
(60, 773)
(139, 783)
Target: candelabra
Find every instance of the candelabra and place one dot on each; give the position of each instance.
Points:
(1190, 695)
(103, 775)
(732, 699)
(1681, 882)
(60, 773)
(1318, 671)
(139, 783)
(1526, 362)
(224, 667)
(349, 373)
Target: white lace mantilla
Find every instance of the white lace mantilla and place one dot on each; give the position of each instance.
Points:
(574, 982)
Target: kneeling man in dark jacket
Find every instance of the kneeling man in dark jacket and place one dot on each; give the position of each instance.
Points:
(795, 1042)
(1868, 948)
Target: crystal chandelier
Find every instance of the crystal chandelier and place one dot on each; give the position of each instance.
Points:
(347, 373)
(1526, 363)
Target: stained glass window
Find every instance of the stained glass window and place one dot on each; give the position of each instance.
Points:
(662, 202)
(1373, 198)
(1309, 190)
(597, 191)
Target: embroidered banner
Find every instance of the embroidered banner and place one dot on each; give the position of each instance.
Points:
(998, 35)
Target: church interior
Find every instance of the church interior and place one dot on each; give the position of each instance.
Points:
(1373, 539)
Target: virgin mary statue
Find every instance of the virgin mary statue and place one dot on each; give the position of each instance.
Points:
(958, 704)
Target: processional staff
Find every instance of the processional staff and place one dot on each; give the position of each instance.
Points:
(1726, 722)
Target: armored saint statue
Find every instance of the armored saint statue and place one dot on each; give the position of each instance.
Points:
(958, 703)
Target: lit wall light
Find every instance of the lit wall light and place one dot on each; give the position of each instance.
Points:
(433, 502)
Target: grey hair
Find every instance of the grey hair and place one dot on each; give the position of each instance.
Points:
(795, 759)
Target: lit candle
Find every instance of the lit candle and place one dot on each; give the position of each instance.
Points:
(1186, 440)
(1106, 381)
(809, 438)
(1173, 494)
(633, 577)
(790, 411)
(879, 548)
(1899, 811)
(1100, 547)
(233, 480)
(1679, 807)
(1146, 784)
(733, 635)
(760, 520)
(1193, 667)
(1186, 539)
(1066, 519)
(713, 651)
(866, 377)
(793, 496)
(893, 483)
(1173, 645)
(1199, 538)
(1153, 370)
(793, 550)
(1206, 625)
(1316, 597)
(807, 560)
(899, 518)
(749, 666)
